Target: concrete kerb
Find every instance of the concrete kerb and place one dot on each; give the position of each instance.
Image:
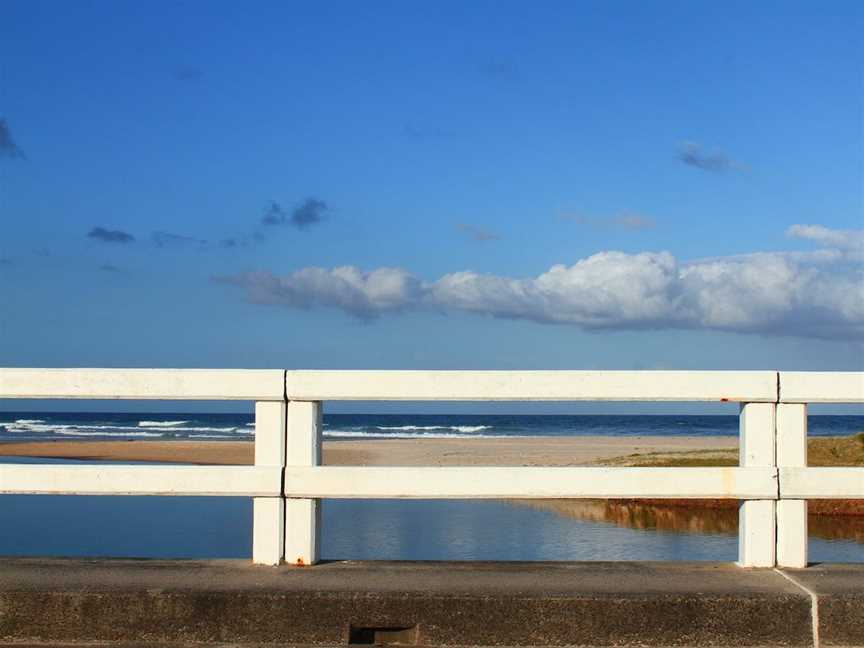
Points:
(121, 602)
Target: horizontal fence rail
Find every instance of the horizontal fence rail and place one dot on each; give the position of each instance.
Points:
(822, 483)
(144, 384)
(772, 482)
(732, 386)
(486, 482)
(821, 387)
(237, 481)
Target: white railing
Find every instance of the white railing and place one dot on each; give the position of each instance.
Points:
(287, 480)
(798, 483)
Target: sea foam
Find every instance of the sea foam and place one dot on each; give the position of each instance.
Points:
(161, 423)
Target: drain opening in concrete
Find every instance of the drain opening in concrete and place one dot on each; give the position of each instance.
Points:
(383, 635)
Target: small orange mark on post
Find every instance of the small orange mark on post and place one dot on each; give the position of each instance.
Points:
(299, 563)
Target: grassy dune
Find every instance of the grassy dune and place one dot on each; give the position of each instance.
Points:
(821, 451)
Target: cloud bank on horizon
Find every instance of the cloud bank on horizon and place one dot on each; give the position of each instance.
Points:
(808, 294)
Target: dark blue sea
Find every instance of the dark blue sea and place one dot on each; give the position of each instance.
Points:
(201, 527)
(27, 426)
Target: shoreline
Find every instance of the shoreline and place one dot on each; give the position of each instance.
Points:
(502, 451)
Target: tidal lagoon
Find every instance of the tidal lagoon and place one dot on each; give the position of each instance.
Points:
(508, 530)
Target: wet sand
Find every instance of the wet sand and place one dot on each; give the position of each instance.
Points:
(507, 451)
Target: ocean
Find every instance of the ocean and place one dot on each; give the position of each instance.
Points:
(220, 527)
(35, 426)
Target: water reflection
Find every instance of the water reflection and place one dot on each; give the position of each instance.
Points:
(497, 530)
(556, 530)
(837, 527)
(129, 527)
(634, 515)
(220, 527)
(715, 517)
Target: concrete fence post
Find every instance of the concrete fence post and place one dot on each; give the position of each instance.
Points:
(792, 513)
(756, 518)
(268, 513)
(303, 515)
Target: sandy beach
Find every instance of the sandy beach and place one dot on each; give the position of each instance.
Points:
(508, 451)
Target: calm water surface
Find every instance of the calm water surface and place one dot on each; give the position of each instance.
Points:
(220, 527)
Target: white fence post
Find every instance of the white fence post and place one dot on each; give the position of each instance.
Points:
(792, 513)
(268, 513)
(303, 515)
(756, 519)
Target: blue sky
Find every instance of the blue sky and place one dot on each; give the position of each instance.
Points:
(432, 185)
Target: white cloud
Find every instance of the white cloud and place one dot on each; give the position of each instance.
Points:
(609, 289)
(768, 293)
(848, 243)
(765, 293)
(363, 294)
(774, 294)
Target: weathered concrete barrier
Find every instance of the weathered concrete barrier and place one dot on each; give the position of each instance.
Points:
(591, 604)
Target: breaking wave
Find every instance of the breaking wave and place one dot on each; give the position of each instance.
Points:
(161, 423)
(144, 428)
(411, 432)
(464, 429)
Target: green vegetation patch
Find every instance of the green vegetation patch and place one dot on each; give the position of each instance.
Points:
(821, 451)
